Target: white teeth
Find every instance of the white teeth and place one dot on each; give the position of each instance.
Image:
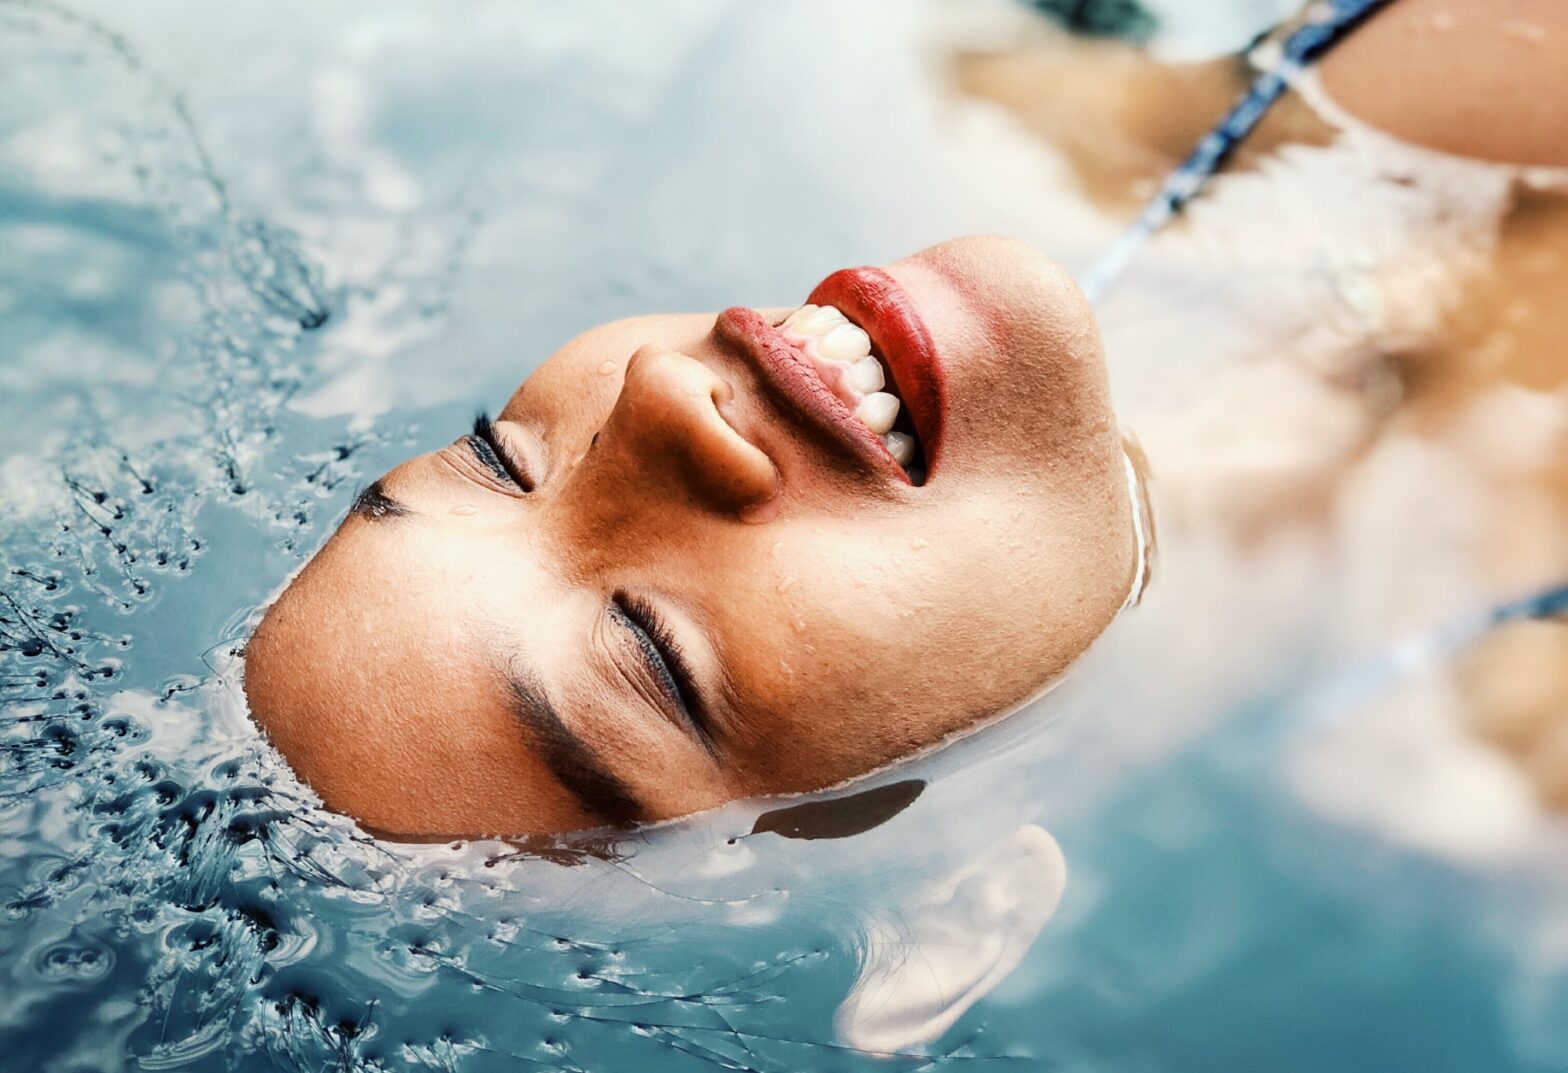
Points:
(845, 343)
(814, 320)
(849, 347)
(794, 318)
(901, 446)
(865, 376)
(878, 410)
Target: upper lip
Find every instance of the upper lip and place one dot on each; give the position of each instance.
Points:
(872, 299)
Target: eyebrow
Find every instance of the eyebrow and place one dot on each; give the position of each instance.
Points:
(374, 504)
(575, 763)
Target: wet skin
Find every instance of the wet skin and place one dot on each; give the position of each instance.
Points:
(686, 593)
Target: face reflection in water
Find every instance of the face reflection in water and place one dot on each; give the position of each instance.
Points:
(675, 570)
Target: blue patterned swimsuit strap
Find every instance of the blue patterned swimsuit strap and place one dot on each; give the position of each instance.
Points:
(1327, 24)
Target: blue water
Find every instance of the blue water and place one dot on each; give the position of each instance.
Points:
(251, 257)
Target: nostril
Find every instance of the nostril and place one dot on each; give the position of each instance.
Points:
(677, 419)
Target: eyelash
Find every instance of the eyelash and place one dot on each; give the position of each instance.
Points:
(666, 656)
(487, 447)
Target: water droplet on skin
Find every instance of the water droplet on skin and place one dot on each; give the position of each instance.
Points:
(920, 545)
(607, 368)
(465, 510)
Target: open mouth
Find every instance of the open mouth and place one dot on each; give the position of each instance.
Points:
(858, 363)
(841, 353)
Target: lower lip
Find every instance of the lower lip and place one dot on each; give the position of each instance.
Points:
(791, 378)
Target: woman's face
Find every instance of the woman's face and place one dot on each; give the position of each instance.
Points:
(678, 569)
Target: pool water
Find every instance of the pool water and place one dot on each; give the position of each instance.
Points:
(252, 257)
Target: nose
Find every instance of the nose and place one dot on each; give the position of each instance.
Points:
(667, 435)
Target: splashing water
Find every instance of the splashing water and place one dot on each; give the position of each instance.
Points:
(172, 896)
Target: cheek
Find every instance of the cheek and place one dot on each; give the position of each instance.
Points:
(841, 616)
(565, 403)
(959, 600)
(853, 644)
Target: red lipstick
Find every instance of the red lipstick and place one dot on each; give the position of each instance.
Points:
(872, 299)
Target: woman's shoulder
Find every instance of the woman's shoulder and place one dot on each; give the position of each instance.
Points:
(1484, 79)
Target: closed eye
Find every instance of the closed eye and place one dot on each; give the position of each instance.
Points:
(666, 662)
(492, 452)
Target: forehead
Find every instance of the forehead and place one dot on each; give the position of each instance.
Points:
(386, 701)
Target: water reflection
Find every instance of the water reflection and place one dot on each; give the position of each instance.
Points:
(951, 944)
